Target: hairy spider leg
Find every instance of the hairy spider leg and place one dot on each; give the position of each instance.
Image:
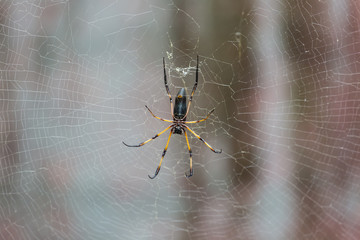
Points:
(208, 145)
(190, 152)
(141, 144)
(195, 85)
(162, 156)
(168, 90)
(197, 121)
(165, 120)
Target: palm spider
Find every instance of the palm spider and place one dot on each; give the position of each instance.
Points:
(179, 111)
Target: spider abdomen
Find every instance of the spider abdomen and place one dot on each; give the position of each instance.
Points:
(180, 107)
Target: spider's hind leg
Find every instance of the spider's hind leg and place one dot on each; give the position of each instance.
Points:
(194, 87)
(168, 90)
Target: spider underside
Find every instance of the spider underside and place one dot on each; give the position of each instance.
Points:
(179, 112)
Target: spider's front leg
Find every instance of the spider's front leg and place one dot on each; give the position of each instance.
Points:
(162, 156)
(190, 152)
(201, 139)
(143, 143)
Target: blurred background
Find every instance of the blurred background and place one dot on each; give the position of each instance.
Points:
(282, 76)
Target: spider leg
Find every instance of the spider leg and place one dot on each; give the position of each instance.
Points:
(212, 149)
(162, 157)
(165, 120)
(190, 152)
(201, 119)
(168, 90)
(195, 85)
(139, 145)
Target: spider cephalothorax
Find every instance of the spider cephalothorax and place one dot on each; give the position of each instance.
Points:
(179, 112)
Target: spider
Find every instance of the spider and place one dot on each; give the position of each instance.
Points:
(179, 112)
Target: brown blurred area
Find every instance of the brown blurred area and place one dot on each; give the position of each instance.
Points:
(282, 76)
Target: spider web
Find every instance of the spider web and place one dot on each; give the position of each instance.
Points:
(281, 75)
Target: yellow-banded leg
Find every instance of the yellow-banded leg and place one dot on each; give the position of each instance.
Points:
(197, 121)
(165, 120)
(190, 152)
(162, 156)
(141, 144)
(208, 145)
